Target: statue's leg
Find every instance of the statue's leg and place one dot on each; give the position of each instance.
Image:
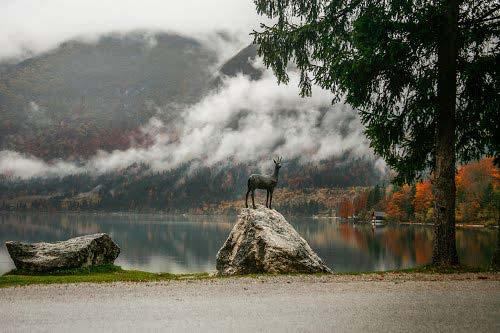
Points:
(270, 199)
(246, 198)
(253, 199)
(267, 196)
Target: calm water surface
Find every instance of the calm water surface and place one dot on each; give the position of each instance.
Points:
(177, 244)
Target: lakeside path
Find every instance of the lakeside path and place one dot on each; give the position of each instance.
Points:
(370, 302)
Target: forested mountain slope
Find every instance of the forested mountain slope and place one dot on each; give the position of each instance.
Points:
(82, 97)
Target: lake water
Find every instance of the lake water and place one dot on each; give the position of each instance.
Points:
(179, 244)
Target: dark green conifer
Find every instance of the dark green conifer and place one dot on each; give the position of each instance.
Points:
(424, 76)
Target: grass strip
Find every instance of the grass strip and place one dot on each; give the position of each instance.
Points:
(97, 274)
(112, 273)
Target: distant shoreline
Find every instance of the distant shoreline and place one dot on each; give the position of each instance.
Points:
(211, 215)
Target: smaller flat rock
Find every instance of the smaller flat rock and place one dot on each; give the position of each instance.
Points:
(83, 251)
(262, 241)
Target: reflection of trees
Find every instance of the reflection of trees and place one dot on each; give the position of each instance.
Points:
(423, 246)
(347, 247)
(338, 252)
(158, 242)
(44, 227)
(475, 247)
(357, 247)
(192, 242)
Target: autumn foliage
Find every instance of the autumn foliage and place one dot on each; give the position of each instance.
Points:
(399, 205)
(478, 191)
(478, 196)
(423, 201)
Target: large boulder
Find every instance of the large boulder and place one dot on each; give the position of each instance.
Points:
(84, 251)
(262, 241)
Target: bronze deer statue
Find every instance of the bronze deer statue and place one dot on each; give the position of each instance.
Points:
(264, 182)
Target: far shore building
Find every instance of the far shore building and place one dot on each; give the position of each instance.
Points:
(378, 216)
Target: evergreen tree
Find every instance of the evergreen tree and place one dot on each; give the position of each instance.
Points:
(374, 197)
(424, 76)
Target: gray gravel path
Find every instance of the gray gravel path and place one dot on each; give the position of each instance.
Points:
(287, 304)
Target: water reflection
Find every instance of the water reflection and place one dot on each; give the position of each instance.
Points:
(162, 243)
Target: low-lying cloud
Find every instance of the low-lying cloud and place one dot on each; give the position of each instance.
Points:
(243, 121)
(14, 164)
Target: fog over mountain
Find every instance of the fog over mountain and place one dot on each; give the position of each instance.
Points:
(184, 116)
(245, 120)
(141, 86)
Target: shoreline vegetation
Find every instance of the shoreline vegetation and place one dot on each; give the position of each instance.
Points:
(112, 273)
(458, 225)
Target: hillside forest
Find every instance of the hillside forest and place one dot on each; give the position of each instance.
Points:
(210, 191)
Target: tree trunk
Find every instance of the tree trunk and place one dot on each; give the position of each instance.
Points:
(496, 255)
(444, 248)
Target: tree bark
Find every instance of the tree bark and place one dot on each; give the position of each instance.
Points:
(444, 247)
(495, 262)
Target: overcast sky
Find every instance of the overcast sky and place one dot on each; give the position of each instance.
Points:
(34, 26)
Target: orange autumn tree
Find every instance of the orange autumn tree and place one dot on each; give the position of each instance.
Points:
(478, 192)
(423, 201)
(400, 205)
(478, 196)
(360, 202)
(346, 208)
